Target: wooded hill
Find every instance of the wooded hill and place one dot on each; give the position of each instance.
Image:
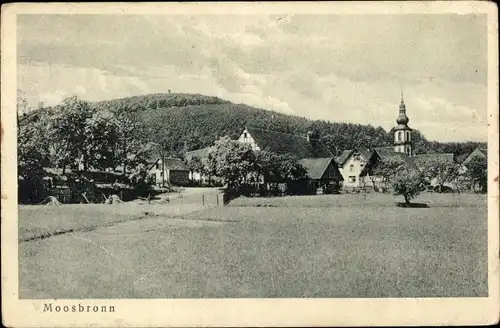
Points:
(183, 122)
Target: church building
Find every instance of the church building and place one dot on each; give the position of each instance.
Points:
(402, 132)
(403, 149)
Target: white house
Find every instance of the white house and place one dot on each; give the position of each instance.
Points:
(351, 163)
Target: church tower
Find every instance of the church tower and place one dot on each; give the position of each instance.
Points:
(402, 132)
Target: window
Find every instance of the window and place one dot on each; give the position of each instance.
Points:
(158, 165)
(357, 157)
(408, 135)
(400, 135)
(408, 150)
(244, 135)
(351, 167)
(352, 179)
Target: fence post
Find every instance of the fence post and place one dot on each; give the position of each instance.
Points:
(203, 199)
(217, 196)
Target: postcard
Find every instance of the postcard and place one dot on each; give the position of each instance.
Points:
(250, 164)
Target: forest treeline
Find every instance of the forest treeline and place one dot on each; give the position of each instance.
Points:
(183, 122)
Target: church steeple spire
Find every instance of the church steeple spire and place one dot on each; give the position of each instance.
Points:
(402, 132)
(402, 118)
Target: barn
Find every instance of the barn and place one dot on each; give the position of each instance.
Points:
(323, 175)
(174, 172)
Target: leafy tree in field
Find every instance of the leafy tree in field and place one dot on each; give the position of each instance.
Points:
(132, 147)
(233, 160)
(408, 183)
(477, 172)
(403, 179)
(385, 169)
(70, 130)
(83, 133)
(441, 170)
(101, 134)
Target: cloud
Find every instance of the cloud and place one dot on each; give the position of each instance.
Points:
(331, 67)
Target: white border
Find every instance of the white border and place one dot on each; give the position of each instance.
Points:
(244, 312)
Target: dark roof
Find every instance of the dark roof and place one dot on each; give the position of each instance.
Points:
(200, 153)
(343, 156)
(476, 152)
(316, 167)
(365, 152)
(388, 153)
(385, 151)
(421, 159)
(175, 164)
(288, 143)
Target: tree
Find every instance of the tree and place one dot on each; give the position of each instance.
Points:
(32, 155)
(101, 135)
(477, 172)
(288, 168)
(384, 169)
(131, 146)
(233, 160)
(210, 166)
(69, 130)
(79, 131)
(195, 164)
(275, 168)
(407, 182)
(440, 169)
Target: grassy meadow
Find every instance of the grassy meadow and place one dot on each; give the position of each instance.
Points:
(302, 246)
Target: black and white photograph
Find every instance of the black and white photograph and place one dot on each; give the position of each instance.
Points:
(301, 154)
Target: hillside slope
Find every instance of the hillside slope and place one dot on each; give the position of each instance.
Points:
(183, 122)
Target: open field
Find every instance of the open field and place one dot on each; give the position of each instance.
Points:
(317, 246)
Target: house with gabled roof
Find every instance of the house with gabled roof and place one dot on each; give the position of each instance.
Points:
(283, 143)
(351, 163)
(421, 159)
(322, 173)
(478, 152)
(319, 162)
(168, 171)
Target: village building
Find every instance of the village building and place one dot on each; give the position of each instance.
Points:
(172, 172)
(478, 152)
(351, 163)
(319, 162)
(283, 143)
(402, 149)
(322, 174)
(402, 132)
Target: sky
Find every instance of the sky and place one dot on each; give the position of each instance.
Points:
(340, 68)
